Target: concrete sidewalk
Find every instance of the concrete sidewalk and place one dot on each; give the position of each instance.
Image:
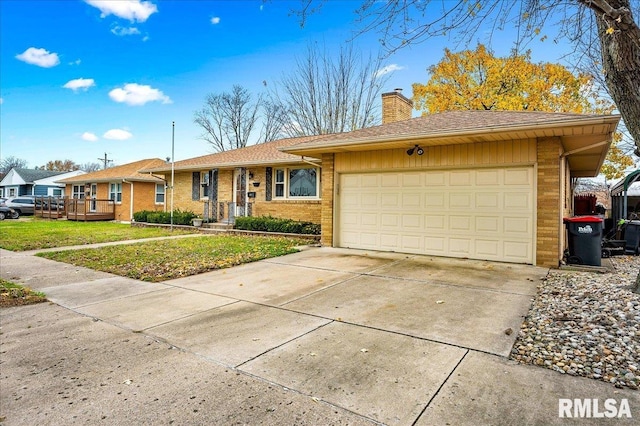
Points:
(324, 336)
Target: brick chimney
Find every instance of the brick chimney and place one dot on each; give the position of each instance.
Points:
(395, 107)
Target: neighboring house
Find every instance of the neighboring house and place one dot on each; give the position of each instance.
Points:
(490, 185)
(19, 182)
(257, 180)
(128, 189)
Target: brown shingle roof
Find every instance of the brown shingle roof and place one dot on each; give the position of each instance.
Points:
(263, 153)
(130, 171)
(447, 124)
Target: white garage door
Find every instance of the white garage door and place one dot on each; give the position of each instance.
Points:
(478, 214)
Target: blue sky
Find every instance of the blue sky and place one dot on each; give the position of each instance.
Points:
(79, 79)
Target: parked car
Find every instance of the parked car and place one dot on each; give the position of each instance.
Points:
(8, 212)
(24, 205)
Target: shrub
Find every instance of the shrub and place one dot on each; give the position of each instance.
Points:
(179, 217)
(272, 224)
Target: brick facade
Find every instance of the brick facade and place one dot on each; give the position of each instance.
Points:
(328, 177)
(395, 107)
(550, 203)
(302, 210)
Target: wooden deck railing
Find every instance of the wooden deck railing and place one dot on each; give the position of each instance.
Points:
(83, 209)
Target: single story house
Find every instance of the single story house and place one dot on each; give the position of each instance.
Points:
(256, 180)
(129, 190)
(492, 185)
(20, 181)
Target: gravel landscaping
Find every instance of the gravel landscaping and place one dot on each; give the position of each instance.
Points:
(586, 324)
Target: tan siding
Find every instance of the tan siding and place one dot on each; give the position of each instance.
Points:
(488, 154)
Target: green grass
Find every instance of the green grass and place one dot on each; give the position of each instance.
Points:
(12, 294)
(168, 259)
(35, 233)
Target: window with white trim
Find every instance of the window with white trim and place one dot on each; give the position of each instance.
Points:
(296, 183)
(115, 192)
(77, 192)
(159, 193)
(204, 185)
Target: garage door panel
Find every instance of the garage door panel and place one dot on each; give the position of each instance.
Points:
(480, 214)
(460, 200)
(366, 181)
(390, 200)
(487, 224)
(436, 222)
(518, 177)
(489, 249)
(517, 200)
(488, 177)
(460, 246)
(460, 223)
(460, 178)
(488, 200)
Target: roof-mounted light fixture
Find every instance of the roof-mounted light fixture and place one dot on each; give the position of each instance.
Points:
(415, 149)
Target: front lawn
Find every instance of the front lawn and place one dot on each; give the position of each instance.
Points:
(168, 259)
(35, 233)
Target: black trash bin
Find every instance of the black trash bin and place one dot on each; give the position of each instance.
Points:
(585, 240)
(632, 237)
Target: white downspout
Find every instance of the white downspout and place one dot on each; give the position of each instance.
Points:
(130, 200)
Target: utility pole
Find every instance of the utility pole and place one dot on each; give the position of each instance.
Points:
(105, 160)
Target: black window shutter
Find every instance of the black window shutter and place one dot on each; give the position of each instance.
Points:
(195, 186)
(213, 185)
(267, 183)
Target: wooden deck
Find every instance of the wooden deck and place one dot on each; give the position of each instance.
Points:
(83, 210)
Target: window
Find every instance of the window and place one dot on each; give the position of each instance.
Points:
(115, 192)
(57, 192)
(296, 183)
(77, 192)
(159, 193)
(204, 184)
(12, 192)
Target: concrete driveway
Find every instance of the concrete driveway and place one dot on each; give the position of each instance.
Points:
(371, 337)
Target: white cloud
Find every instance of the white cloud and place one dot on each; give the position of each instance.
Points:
(121, 31)
(79, 84)
(88, 136)
(117, 135)
(40, 57)
(133, 10)
(388, 69)
(215, 20)
(137, 94)
(76, 62)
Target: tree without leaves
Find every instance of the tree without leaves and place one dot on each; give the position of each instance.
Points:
(228, 119)
(91, 167)
(477, 80)
(6, 164)
(325, 94)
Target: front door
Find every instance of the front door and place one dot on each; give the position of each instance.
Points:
(93, 193)
(240, 192)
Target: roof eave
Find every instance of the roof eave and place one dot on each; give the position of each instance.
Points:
(379, 142)
(228, 165)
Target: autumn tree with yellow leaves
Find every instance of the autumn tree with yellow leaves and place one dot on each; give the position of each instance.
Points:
(477, 80)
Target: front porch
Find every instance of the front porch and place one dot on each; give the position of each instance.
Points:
(82, 209)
